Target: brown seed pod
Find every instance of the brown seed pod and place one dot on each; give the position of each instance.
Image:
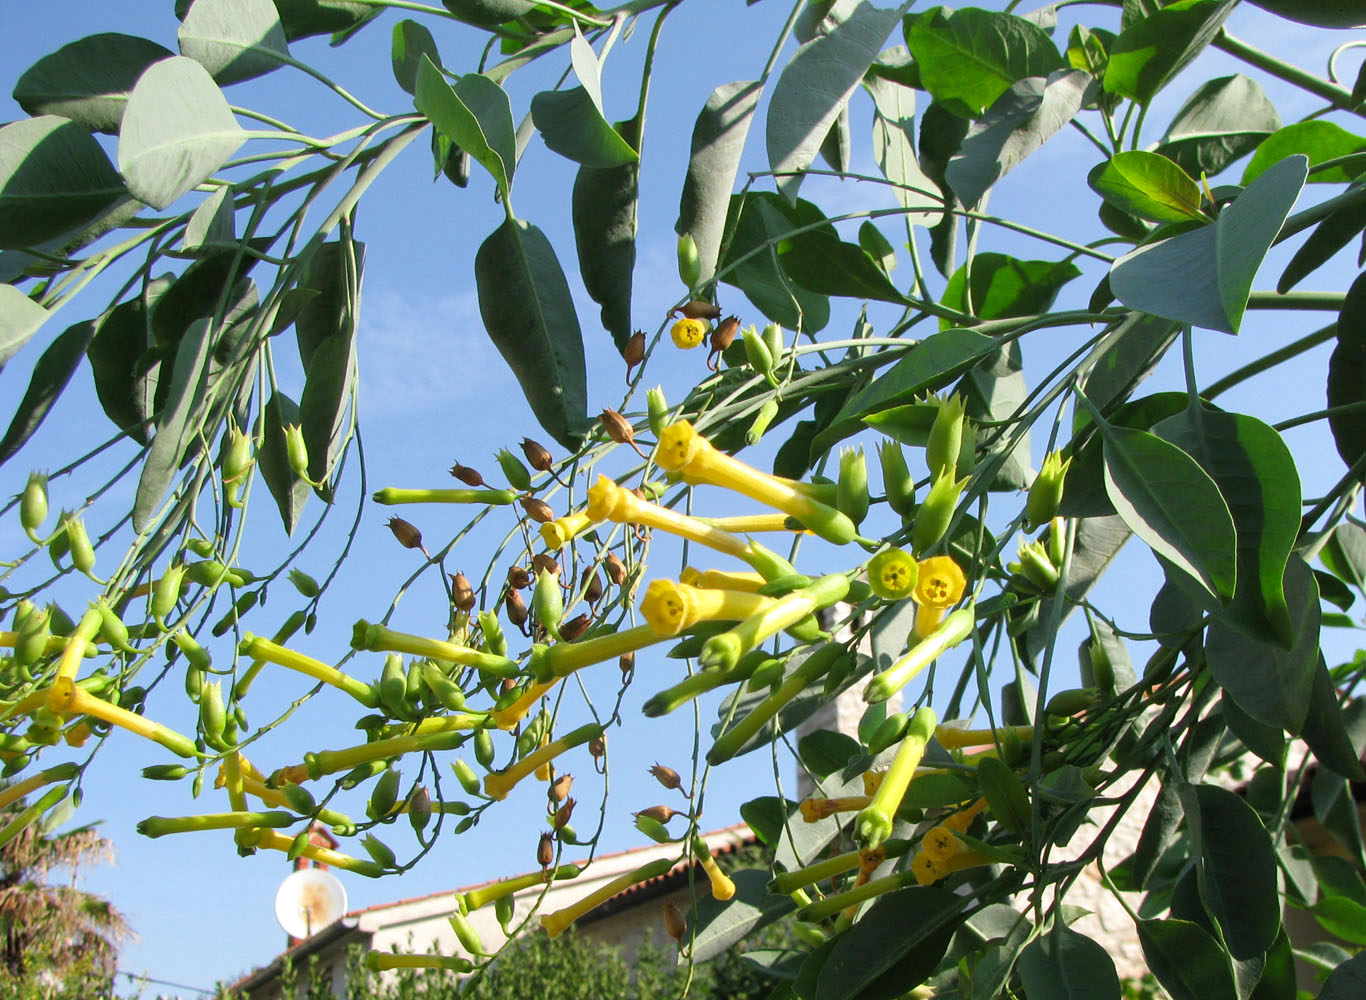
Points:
(536, 455)
(721, 338)
(667, 777)
(698, 309)
(660, 814)
(674, 924)
(597, 746)
(619, 429)
(516, 608)
(627, 663)
(545, 850)
(467, 475)
(562, 814)
(544, 562)
(518, 578)
(537, 510)
(575, 627)
(507, 685)
(407, 534)
(462, 594)
(559, 788)
(592, 585)
(635, 352)
(616, 569)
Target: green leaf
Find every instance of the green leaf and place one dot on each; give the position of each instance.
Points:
(332, 273)
(816, 85)
(411, 41)
(328, 389)
(1065, 965)
(53, 176)
(1342, 917)
(877, 246)
(1005, 795)
(88, 81)
(604, 207)
(927, 367)
(1320, 141)
(825, 264)
(234, 40)
(177, 130)
(211, 224)
(126, 374)
(994, 390)
(528, 311)
(1267, 742)
(718, 139)
(50, 375)
(1347, 981)
(1236, 868)
(1226, 118)
(1188, 963)
(894, 151)
(1344, 553)
(1335, 807)
(1347, 375)
(766, 816)
(198, 291)
(752, 261)
(1325, 729)
(1004, 286)
(714, 925)
(338, 18)
(1148, 185)
(290, 492)
(1205, 277)
(823, 751)
(1166, 499)
(487, 13)
(1256, 475)
(20, 318)
(893, 948)
(1338, 228)
(475, 115)
(1020, 121)
(969, 58)
(1150, 52)
(571, 125)
(178, 425)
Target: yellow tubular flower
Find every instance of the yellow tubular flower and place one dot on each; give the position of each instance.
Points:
(497, 784)
(476, 898)
(671, 607)
(814, 810)
(72, 653)
(557, 533)
(507, 718)
(928, 871)
(73, 700)
(750, 523)
(556, 923)
(609, 502)
(962, 819)
(688, 333)
(941, 843)
(276, 841)
(717, 579)
(258, 648)
(952, 738)
(681, 449)
(563, 658)
(940, 586)
(19, 789)
(722, 888)
(382, 961)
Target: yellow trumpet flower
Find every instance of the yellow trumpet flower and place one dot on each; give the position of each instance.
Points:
(940, 586)
(556, 923)
(814, 810)
(508, 717)
(497, 784)
(608, 501)
(557, 533)
(722, 888)
(671, 607)
(475, 898)
(717, 579)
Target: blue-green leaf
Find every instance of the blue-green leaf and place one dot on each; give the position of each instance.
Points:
(1150, 52)
(234, 40)
(571, 125)
(1188, 963)
(89, 80)
(474, 114)
(1065, 965)
(53, 177)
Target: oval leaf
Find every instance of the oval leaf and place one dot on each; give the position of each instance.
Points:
(1148, 185)
(234, 40)
(1224, 119)
(53, 177)
(1005, 795)
(604, 205)
(1151, 51)
(894, 151)
(1188, 963)
(1204, 277)
(716, 925)
(20, 318)
(50, 376)
(527, 308)
(815, 86)
(411, 41)
(1320, 141)
(1065, 965)
(177, 130)
(88, 81)
(1347, 375)
(893, 948)
(572, 125)
(474, 114)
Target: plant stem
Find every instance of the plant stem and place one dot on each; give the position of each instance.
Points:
(1271, 360)
(1339, 97)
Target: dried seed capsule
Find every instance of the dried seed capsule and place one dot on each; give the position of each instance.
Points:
(574, 629)
(660, 814)
(619, 429)
(407, 534)
(667, 777)
(563, 814)
(467, 475)
(592, 585)
(536, 455)
(518, 578)
(516, 608)
(544, 562)
(545, 850)
(627, 663)
(559, 788)
(721, 338)
(597, 746)
(674, 924)
(538, 510)
(635, 352)
(616, 569)
(697, 309)
(462, 594)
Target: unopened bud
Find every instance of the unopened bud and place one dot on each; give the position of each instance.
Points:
(467, 475)
(946, 437)
(536, 455)
(667, 777)
(33, 504)
(1045, 493)
(517, 475)
(462, 594)
(407, 534)
(296, 451)
(657, 409)
(545, 850)
(548, 603)
(303, 583)
(537, 510)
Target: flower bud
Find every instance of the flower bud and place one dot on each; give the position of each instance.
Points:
(1045, 493)
(688, 333)
(946, 437)
(303, 583)
(757, 352)
(761, 421)
(548, 603)
(658, 409)
(516, 473)
(933, 516)
(82, 552)
(851, 494)
(538, 510)
(536, 455)
(407, 534)
(773, 340)
(518, 578)
(545, 850)
(462, 593)
(420, 809)
(516, 608)
(667, 777)
(616, 569)
(467, 475)
(689, 261)
(721, 338)
(33, 505)
(698, 309)
(897, 483)
(296, 451)
(635, 352)
(236, 453)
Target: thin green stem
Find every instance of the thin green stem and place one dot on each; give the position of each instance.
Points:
(1339, 97)
(782, 40)
(1271, 360)
(1297, 301)
(1309, 418)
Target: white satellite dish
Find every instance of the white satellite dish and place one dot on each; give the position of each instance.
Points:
(309, 900)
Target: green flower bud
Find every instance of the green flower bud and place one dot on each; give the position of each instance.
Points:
(304, 583)
(1036, 567)
(758, 354)
(379, 851)
(658, 409)
(933, 516)
(1045, 493)
(761, 421)
(495, 641)
(773, 340)
(236, 453)
(897, 483)
(384, 796)
(82, 552)
(483, 748)
(946, 437)
(518, 477)
(167, 591)
(296, 450)
(689, 261)
(851, 493)
(548, 603)
(33, 505)
(466, 776)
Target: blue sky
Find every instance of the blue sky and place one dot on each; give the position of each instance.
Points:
(433, 390)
